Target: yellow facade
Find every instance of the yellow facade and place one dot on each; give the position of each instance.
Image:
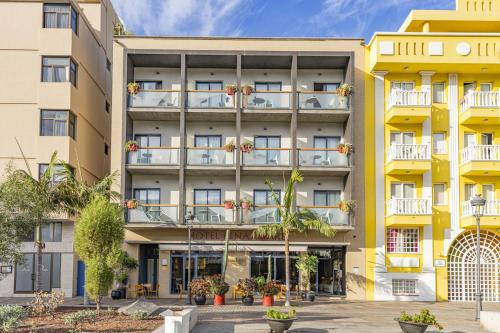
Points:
(433, 101)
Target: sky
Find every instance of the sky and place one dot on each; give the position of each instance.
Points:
(275, 18)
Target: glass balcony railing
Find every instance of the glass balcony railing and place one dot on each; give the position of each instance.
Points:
(329, 214)
(154, 156)
(211, 214)
(314, 157)
(268, 100)
(205, 99)
(322, 100)
(148, 213)
(260, 215)
(154, 99)
(267, 157)
(209, 156)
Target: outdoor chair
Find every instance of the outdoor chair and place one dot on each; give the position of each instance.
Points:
(139, 290)
(153, 292)
(237, 292)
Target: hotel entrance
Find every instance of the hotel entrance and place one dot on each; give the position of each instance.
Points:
(330, 277)
(202, 264)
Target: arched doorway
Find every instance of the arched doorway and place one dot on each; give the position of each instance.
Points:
(462, 267)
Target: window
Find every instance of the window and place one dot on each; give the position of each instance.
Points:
(403, 190)
(470, 191)
(485, 86)
(268, 156)
(106, 149)
(57, 176)
(52, 232)
(51, 274)
(488, 192)
(439, 143)
(149, 85)
(405, 86)
(405, 138)
(59, 69)
(404, 287)
(320, 86)
(149, 196)
(108, 65)
(107, 106)
(57, 123)
(469, 139)
(264, 202)
(439, 194)
(469, 86)
(438, 92)
(62, 16)
(267, 86)
(402, 240)
(207, 200)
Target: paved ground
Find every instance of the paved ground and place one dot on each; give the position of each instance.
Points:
(323, 316)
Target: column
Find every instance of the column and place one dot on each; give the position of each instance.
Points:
(182, 141)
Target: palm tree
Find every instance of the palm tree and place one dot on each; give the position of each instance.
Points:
(291, 220)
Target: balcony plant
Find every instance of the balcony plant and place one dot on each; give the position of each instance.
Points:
(247, 287)
(306, 265)
(133, 88)
(347, 206)
(218, 287)
(247, 90)
(231, 89)
(200, 290)
(417, 323)
(228, 204)
(268, 291)
(245, 203)
(132, 203)
(280, 322)
(229, 147)
(343, 93)
(246, 147)
(131, 145)
(345, 148)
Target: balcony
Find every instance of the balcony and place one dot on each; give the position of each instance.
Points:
(408, 159)
(322, 100)
(321, 160)
(330, 214)
(211, 214)
(270, 159)
(154, 105)
(490, 218)
(408, 211)
(480, 160)
(408, 107)
(154, 214)
(480, 108)
(211, 159)
(153, 160)
(260, 214)
(209, 99)
(273, 100)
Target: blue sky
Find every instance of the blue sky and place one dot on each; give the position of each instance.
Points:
(278, 18)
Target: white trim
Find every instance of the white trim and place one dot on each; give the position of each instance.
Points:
(427, 34)
(454, 185)
(426, 289)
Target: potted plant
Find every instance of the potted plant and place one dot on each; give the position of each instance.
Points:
(246, 147)
(132, 203)
(199, 288)
(280, 322)
(245, 203)
(307, 264)
(247, 288)
(131, 145)
(347, 206)
(231, 89)
(343, 93)
(417, 323)
(268, 291)
(247, 90)
(229, 147)
(345, 148)
(218, 287)
(228, 204)
(133, 88)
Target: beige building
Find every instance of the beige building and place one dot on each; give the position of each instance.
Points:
(56, 64)
(184, 171)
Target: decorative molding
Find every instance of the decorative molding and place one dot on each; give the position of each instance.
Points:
(386, 48)
(435, 49)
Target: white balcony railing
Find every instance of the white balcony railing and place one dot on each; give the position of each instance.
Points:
(409, 206)
(149, 213)
(480, 99)
(491, 208)
(408, 98)
(481, 153)
(154, 156)
(409, 152)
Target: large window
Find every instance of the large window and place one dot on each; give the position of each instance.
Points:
(404, 287)
(51, 272)
(438, 92)
(50, 232)
(261, 262)
(60, 16)
(57, 123)
(57, 174)
(402, 240)
(59, 69)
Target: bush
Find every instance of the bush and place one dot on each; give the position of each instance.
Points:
(273, 314)
(80, 317)
(140, 315)
(247, 286)
(45, 303)
(11, 317)
(424, 317)
(199, 287)
(217, 285)
(270, 288)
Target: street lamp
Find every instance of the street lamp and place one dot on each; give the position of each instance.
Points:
(189, 221)
(477, 204)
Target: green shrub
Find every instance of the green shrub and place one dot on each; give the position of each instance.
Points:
(273, 314)
(140, 315)
(45, 303)
(80, 317)
(424, 317)
(11, 317)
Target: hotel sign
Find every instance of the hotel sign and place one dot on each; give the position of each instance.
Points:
(220, 235)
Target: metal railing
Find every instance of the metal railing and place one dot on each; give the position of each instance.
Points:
(268, 100)
(479, 99)
(322, 100)
(333, 215)
(211, 214)
(209, 156)
(408, 98)
(409, 152)
(481, 153)
(409, 206)
(317, 157)
(491, 208)
(154, 156)
(206, 99)
(154, 99)
(267, 156)
(151, 213)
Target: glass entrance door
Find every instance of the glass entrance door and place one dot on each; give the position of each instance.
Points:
(146, 141)
(326, 156)
(330, 277)
(208, 156)
(203, 264)
(269, 156)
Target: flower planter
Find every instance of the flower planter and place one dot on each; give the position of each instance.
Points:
(230, 90)
(343, 101)
(408, 327)
(116, 294)
(247, 90)
(279, 325)
(200, 299)
(247, 300)
(245, 205)
(228, 205)
(219, 300)
(267, 300)
(132, 204)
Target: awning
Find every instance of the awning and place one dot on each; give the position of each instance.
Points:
(235, 248)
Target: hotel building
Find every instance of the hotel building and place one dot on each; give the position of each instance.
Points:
(182, 118)
(432, 103)
(56, 66)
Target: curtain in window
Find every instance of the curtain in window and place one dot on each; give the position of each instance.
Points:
(57, 16)
(54, 69)
(60, 122)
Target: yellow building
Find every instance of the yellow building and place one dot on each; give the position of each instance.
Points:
(432, 100)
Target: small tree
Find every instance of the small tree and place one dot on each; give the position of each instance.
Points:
(307, 264)
(99, 234)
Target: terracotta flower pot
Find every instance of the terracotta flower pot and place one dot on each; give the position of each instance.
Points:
(219, 299)
(230, 91)
(245, 205)
(228, 205)
(267, 300)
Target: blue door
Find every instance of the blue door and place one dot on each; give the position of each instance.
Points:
(80, 279)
